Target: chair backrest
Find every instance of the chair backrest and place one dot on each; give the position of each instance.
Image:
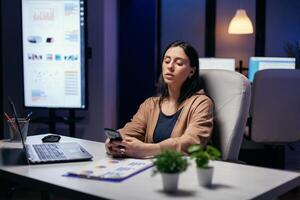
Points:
(275, 106)
(230, 92)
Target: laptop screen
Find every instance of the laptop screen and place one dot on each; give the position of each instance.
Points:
(260, 63)
(13, 109)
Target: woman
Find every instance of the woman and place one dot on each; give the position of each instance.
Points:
(180, 116)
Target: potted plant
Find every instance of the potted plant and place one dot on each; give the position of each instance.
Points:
(170, 163)
(202, 155)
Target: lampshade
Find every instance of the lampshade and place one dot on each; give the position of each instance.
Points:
(240, 23)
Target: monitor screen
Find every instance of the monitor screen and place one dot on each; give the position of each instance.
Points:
(260, 63)
(217, 63)
(54, 53)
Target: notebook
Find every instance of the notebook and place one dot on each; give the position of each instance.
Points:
(50, 152)
(110, 169)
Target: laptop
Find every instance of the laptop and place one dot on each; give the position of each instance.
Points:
(50, 152)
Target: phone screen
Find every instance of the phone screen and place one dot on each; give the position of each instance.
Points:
(113, 134)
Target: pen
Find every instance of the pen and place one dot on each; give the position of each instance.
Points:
(28, 116)
(10, 121)
(7, 117)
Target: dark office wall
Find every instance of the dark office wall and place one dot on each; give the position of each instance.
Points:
(12, 56)
(136, 76)
(282, 26)
(183, 20)
(92, 125)
(1, 77)
(110, 63)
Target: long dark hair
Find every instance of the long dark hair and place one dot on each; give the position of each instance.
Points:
(191, 85)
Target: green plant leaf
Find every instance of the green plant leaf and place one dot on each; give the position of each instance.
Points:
(194, 148)
(170, 161)
(213, 152)
(202, 162)
(203, 155)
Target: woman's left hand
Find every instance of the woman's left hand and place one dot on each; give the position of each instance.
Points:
(134, 147)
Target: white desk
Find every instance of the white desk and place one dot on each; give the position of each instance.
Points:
(231, 181)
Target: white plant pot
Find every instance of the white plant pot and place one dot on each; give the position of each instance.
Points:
(170, 182)
(205, 176)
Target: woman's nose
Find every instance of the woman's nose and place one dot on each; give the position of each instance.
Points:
(170, 66)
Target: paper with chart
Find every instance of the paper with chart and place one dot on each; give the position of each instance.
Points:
(112, 169)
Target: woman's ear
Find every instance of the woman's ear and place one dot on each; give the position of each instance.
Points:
(192, 72)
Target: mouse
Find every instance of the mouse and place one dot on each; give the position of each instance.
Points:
(51, 138)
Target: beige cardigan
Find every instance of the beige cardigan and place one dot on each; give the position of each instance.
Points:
(194, 124)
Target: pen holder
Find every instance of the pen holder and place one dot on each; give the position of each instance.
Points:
(13, 129)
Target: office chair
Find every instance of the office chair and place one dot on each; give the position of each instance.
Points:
(275, 107)
(274, 117)
(230, 92)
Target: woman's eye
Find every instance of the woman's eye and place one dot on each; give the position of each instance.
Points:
(167, 61)
(179, 63)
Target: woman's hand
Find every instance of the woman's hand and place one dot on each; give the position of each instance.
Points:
(114, 149)
(131, 147)
(134, 147)
(138, 149)
(108, 146)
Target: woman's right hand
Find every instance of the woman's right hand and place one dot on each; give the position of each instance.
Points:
(113, 148)
(108, 146)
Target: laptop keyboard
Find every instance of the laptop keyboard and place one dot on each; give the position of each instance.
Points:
(49, 152)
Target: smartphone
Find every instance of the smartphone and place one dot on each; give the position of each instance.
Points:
(113, 134)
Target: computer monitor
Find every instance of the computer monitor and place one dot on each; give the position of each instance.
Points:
(217, 63)
(260, 63)
(54, 53)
